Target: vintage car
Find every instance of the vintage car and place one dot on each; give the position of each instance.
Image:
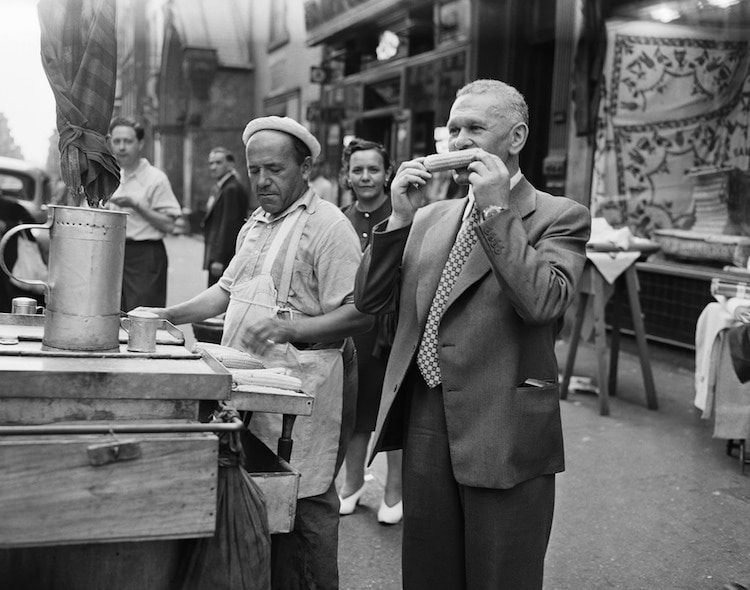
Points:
(26, 184)
(25, 192)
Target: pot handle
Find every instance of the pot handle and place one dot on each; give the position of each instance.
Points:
(3, 242)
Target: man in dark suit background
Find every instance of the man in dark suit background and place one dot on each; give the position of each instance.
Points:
(226, 211)
(470, 391)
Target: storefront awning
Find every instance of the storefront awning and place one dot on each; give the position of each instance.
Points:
(222, 25)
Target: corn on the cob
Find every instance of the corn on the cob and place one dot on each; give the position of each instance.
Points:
(449, 161)
(229, 357)
(265, 379)
(265, 389)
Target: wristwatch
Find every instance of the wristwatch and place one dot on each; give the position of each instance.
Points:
(488, 212)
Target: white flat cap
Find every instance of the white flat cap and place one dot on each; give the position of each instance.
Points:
(286, 125)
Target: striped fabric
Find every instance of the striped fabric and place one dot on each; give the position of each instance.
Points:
(79, 55)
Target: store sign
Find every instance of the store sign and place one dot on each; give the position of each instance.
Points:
(319, 75)
(321, 114)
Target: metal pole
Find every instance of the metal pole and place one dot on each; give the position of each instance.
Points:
(132, 428)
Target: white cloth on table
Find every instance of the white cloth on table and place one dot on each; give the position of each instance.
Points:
(715, 317)
(612, 264)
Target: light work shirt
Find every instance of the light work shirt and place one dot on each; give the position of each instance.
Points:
(151, 188)
(325, 263)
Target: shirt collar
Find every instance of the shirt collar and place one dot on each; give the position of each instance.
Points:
(141, 164)
(306, 200)
(514, 180)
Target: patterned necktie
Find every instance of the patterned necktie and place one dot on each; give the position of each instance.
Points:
(427, 356)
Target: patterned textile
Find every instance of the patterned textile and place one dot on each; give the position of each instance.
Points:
(79, 55)
(427, 356)
(674, 98)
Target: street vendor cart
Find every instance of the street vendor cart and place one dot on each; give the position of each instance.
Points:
(105, 472)
(108, 479)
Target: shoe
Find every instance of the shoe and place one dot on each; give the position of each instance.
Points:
(348, 504)
(390, 514)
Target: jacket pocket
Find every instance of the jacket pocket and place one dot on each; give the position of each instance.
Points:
(535, 429)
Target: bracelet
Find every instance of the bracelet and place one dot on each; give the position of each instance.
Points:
(488, 212)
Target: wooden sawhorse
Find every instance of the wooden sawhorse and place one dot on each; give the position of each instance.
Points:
(593, 284)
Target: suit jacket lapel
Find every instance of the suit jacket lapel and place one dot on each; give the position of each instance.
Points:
(219, 192)
(523, 201)
(434, 254)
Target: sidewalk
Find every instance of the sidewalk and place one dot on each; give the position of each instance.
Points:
(649, 499)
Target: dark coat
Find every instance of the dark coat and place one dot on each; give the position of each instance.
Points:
(223, 221)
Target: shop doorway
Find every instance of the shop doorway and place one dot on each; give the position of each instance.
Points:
(392, 129)
(379, 129)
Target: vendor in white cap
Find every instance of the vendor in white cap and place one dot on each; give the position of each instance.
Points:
(291, 281)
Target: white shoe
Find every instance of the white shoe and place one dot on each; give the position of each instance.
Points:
(348, 504)
(390, 514)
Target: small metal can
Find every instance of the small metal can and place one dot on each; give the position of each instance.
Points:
(24, 305)
(141, 327)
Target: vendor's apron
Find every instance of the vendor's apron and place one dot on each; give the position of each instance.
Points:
(315, 437)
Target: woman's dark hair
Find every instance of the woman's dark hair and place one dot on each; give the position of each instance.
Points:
(361, 145)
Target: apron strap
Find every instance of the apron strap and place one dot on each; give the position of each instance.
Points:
(286, 226)
(286, 276)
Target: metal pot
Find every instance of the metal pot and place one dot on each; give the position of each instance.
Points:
(87, 250)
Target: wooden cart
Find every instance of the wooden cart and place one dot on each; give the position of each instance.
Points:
(104, 467)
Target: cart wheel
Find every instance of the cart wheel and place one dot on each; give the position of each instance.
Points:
(743, 462)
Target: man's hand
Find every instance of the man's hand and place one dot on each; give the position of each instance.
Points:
(266, 333)
(407, 192)
(161, 312)
(124, 201)
(490, 180)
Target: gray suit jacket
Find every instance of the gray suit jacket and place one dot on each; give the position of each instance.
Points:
(497, 334)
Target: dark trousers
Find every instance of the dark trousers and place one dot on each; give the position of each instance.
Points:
(307, 558)
(459, 537)
(144, 276)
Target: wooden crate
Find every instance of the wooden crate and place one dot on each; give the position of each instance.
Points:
(278, 481)
(61, 489)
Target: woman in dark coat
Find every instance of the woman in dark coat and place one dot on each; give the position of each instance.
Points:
(366, 169)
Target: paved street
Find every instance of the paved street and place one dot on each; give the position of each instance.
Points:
(649, 499)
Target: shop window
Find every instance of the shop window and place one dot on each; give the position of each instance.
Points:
(372, 44)
(432, 86)
(421, 84)
(423, 134)
(278, 31)
(382, 94)
(451, 21)
(420, 28)
(672, 115)
(353, 98)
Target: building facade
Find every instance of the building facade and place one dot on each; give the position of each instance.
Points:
(186, 69)
(390, 69)
(639, 109)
